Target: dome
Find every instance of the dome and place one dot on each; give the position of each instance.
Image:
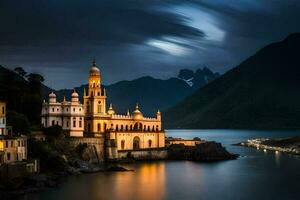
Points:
(75, 94)
(52, 98)
(52, 95)
(94, 69)
(110, 110)
(137, 114)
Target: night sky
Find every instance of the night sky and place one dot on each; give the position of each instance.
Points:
(131, 39)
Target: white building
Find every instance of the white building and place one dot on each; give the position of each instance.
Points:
(67, 114)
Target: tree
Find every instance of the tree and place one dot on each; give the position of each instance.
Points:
(19, 122)
(53, 131)
(35, 78)
(35, 82)
(20, 71)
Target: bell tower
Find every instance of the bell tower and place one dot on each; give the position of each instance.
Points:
(94, 100)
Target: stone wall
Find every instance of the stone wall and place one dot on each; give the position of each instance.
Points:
(150, 154)
(95, 147)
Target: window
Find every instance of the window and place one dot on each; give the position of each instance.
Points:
(79, 109)
(19, 143)
(99, 108)
(6, 144)
(11, 143)
(136, 142)
(3, 110)
(74, 123)
(8, 156)
(57, 109)
(67, 109)
(99, 127)
(74, 109)
(53, 122)
(52, 109)
(123, 144)
(149, 143)
(67, 123)
(80, 124)
(98, 93)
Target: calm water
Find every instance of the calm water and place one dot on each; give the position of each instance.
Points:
(256, 175)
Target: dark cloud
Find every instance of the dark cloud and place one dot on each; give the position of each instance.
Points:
(58, 38)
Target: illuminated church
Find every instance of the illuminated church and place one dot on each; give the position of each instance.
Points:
(92, 119)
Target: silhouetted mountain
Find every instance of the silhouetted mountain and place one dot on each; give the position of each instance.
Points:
(262, 92)
(151, 93)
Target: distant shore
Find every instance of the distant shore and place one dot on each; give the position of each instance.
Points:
(286, 145)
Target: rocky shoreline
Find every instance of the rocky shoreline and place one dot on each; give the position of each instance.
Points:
(38, 182)
(286, 145)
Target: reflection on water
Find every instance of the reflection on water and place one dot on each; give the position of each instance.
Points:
(148, 183)
(256, 175)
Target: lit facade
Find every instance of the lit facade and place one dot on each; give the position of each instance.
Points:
(12, 148)
(67, 114)
(120, 132)
(131, 131)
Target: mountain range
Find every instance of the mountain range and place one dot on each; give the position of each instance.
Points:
(261, 92)
(149, 92)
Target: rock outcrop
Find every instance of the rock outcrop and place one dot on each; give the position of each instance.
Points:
(207, 151)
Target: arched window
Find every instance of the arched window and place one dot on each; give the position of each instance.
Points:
(122, 127)
(140, 126)
(136, 143)
(156, 128)
(117, 127)
(131, 127)
(105, 126)
(99, 107)
(148, 129)
(126, 127)
(152, 128)
(99, 127)
(123, 144)
(136, 125)
(144, 127)
(53, 122)
(149, 143)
